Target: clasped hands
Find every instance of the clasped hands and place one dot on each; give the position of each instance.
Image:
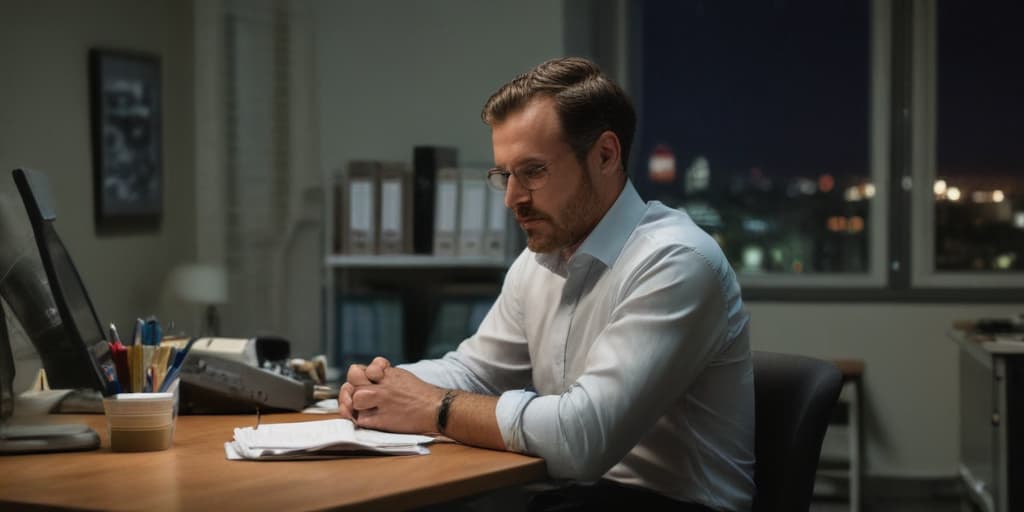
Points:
(382, 397)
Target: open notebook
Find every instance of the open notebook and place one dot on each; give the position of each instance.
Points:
(319, 439)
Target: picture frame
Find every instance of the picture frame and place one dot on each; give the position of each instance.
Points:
(127, 139)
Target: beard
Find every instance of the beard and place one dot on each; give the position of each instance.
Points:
(566, 229)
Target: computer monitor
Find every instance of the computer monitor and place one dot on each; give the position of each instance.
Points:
(47, 296)
(73, 348)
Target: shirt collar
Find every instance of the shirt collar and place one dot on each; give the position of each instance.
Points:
(607, 239)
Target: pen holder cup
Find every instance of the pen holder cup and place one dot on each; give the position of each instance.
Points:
(141, 422)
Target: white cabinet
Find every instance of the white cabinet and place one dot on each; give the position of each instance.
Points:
(992, 423)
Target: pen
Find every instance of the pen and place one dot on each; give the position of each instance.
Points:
(114, 338)
(120, 356)
(113, 385)
(137, 333)
(172, 374)
(180, 356)
(175, 368)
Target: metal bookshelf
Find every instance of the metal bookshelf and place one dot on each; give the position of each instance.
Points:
(426, 261)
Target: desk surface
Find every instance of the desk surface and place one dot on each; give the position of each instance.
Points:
(194, 474)
(1008, 344)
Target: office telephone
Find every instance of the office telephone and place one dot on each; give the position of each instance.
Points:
(240, 375)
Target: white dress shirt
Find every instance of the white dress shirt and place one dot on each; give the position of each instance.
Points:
(630, 361)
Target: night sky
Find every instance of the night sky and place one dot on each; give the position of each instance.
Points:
(981, 87)
(784, 86)
(778, 85)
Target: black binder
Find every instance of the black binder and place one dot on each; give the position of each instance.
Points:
(426, 161)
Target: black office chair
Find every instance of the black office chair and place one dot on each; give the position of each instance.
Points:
(794, 399)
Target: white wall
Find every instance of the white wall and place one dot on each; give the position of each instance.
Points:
(395, 74)
(44, 125)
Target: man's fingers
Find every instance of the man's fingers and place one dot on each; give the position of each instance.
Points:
(364, 399)
(345, 408)
(345, 394)
(367, 419)
(357, 375)
(375, 372)
(346, 413)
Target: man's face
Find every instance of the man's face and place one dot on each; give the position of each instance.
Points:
(562, 212)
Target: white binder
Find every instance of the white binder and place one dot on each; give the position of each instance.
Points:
(496, 234)
(446, 212)
(473, 212)
(360, 208)
(395, 233)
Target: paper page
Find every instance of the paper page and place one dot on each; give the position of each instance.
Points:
(296, 435)
(318, 434)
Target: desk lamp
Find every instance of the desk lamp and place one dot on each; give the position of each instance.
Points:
(205, 285)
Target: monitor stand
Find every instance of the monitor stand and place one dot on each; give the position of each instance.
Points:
(17, 437)
(42, 438)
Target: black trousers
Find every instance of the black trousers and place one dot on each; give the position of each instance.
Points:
(606, 493)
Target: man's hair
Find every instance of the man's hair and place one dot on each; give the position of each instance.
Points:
(587, 103)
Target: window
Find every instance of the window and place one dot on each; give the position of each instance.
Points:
(970, 108)
(767, 124)
(854, 144)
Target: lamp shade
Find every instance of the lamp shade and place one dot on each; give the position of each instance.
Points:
(200, 283)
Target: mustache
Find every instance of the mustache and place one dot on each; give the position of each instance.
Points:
(524, 213)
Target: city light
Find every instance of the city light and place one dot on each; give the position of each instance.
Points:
(753, 256)
(856, 224)
(1004, 261)
(836, 223)
(755, 225)
(953, 194)
(984, 196)
(856, 193)
(940, 187)
(826, 182)
(841, 224)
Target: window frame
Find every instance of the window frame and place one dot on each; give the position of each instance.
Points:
(924, 150)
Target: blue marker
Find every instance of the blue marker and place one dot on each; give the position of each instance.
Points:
(113, 385)
(175, 368)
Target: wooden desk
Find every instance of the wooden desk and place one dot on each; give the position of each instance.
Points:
(194, 474)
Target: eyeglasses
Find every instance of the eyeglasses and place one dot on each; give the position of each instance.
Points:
(531, 178)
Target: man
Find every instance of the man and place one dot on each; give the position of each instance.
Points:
(618, 347)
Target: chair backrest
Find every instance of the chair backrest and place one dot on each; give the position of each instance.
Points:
(794, 399)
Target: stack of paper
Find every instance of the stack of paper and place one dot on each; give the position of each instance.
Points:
(319, 439)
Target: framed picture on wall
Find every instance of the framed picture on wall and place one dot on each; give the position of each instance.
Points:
(127, 129)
